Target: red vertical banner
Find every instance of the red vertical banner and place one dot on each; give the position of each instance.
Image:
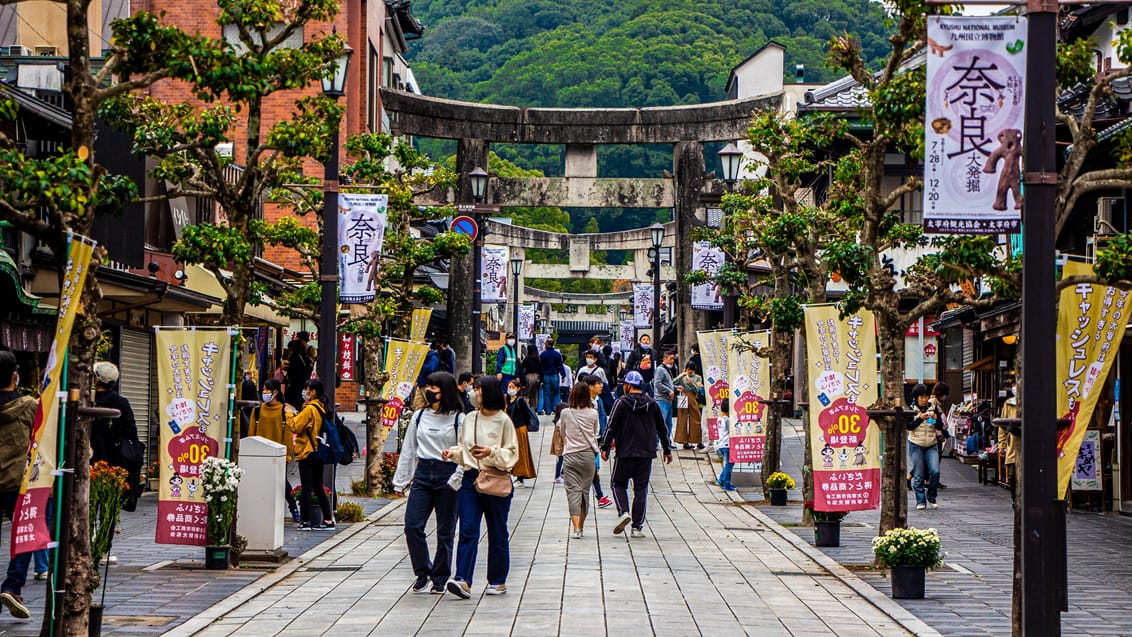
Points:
(347, 368)
(29, 528)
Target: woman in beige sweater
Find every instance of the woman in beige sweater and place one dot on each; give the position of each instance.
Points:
(923, 450)
(578, 424)
(487, 441)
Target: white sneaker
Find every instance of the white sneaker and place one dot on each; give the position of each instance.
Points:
(636, 533)
(577, 535)
(622, 522)
(933, 505)
(920, 507)
(496, 589)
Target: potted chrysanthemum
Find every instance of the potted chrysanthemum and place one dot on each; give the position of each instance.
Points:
(108, 488)
(778, 483)
(220, 480)
(827, 526)
(908, 553)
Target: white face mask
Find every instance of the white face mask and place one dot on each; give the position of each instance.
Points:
(308, 395)
(267, 397)
(590, 362)
(511, 342)
(512, 392)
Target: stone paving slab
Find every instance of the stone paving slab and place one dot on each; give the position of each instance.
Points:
(707, 566)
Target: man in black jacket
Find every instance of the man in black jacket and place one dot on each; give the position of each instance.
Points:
(107, 435)
(634, 427)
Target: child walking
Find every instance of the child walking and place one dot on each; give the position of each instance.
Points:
(723, 447)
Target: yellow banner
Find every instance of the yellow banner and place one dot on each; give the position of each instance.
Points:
(1090, 325)
(29, 530)
(843, 381)
(419, 328)
(194, 393)
(750, 385)
(715, 358)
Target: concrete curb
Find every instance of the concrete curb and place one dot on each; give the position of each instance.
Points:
(882, 602)
(249, 592)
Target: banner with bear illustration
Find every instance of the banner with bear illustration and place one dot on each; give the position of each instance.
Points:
(715, 359)
(194, 393)
(750, 385)
(845, 445)
(976, 70)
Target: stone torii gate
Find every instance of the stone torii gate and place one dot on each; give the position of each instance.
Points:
(686, 128)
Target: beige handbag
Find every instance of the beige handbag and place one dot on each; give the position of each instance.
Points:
(557, 442)
(491, 481)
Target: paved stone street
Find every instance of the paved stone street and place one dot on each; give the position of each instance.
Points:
(710, 565)
(971, 594)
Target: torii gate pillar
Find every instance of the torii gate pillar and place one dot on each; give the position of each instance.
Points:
(690, 175)
(463, 290)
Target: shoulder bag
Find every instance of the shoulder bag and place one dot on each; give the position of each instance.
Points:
(491, 481)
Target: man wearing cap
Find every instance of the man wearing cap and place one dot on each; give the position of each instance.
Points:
(107, 434)
(634, 427)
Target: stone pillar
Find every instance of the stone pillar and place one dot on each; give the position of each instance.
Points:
(463, 298)
(689, 177)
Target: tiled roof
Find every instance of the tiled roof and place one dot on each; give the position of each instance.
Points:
(846, 93)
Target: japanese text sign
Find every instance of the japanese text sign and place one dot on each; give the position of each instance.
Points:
(493, 274)
(361, 232)
(750, 385)
(708, 258)
(642, 305)
(716, 361)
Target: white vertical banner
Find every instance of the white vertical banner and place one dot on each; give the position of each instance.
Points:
(526, 322)
(625, 336)
(540, 341)
(493, 273)
(708, 258)
(361, 232)
(976, 71)
(642, 305)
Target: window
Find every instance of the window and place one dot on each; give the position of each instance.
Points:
(386, 72)
(912, 205)
(371, 90)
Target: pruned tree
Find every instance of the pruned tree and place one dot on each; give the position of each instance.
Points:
(390, 165)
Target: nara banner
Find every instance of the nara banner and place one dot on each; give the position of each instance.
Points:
(708, 258)
(403, 362)
(843, 380)
(715, 358)
(361, 233)
(642, 305)
(976, 70)
(29, 523)
(750, 385)
(626, 336)
(526, 322)
(493, 274)
(194, 393)
(1090, 326)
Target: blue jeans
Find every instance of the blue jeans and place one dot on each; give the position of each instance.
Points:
(925, 464)
(666, 414)
(725, 473)
(430, 493)
(17, 575)
(473, 507)
(550, 393)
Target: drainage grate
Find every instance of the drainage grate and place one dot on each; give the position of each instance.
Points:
(332, 569)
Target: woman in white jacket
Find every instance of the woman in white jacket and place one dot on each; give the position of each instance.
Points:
(432, 431)
(487, 441)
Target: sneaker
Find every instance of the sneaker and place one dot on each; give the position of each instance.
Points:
(622, 522)
(421, 585)
(699, 447)
(559, 480)
(437, 589)
(15, 605)
(496, 589)
(576, 534)
(921, 507)
(305, 526)
(459, 589)
(636, 533)
(933, 505)
(295, 515)
(941, 486)
(41, 576)
(728, 487)
(604, 502)
(327, 526)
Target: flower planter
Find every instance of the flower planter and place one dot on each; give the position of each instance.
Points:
(827, 533)
(216, 557)
(778, 497)
(94, 627)
(907, 582)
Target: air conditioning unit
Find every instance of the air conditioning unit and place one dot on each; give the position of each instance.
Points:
(46, 51)
(1108, 210)
(15, 50)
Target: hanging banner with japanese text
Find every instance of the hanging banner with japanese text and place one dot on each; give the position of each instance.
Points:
(626, 336)
(29, 520)
(1090, 326)
(706, 257)
(403, 362)
(526, 322)
(750, 385)
(193, 394)
(973, 131)
(418, 329)
(493, 273)
(347, 357)
(361, 232)
(715, 358)
(1087, 470)
(845, 446)
(642, 305)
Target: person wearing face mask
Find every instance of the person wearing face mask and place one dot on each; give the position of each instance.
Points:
(431, 432)
(266, 421)
(531, 370)
(520, 414)
(644, 346)
(306, 425)
(507, 361)
(464, 384)
(553, 373)
(17, 417)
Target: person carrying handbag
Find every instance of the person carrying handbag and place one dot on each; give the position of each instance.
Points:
(306, 425)
(487, 450)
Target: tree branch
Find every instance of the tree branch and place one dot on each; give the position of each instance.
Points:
(130, 85)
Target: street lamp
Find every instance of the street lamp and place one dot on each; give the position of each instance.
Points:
(516, 269)
(333, 86)
(656, 231)
(477, 180)
(730, 159)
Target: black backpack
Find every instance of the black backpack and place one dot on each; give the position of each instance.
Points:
(350, 448)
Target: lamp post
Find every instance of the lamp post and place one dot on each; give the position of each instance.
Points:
(656, 231)
(477, 179)
(730, 160)
(334, 87)
(516, 269)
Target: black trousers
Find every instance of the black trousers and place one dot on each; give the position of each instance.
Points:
(430, 492)
(638, 470)
(310, 474)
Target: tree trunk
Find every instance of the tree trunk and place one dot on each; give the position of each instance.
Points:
(371, 351)
(237, 298)
(780, 354)
(894, 505)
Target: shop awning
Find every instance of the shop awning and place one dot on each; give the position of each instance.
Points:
(10, 288)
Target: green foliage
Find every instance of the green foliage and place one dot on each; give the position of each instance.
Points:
(1075, 63)
(213, 245)
(60, 184)
(349, 512)
(1114, 263)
